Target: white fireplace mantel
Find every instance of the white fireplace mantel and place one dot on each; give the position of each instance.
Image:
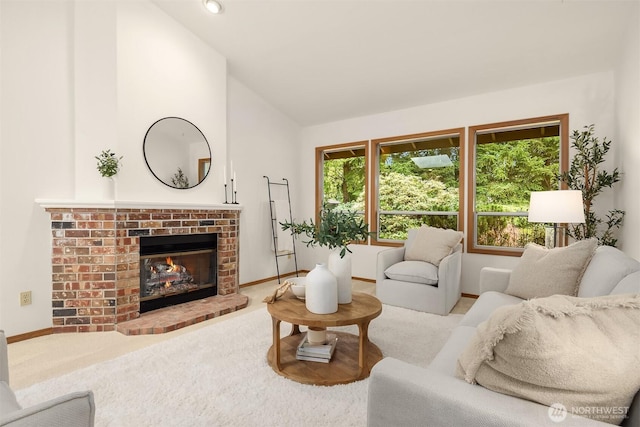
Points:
(131, 204)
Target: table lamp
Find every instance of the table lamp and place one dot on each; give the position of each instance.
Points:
(560, 206)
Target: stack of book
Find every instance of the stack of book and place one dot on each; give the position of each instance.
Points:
(317, 352)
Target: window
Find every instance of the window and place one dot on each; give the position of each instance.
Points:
(342, 176)
(510, 160)
(418, 181)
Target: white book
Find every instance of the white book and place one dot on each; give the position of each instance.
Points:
(312, 359)
(318, 350)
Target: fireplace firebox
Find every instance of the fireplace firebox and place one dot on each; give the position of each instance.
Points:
(177, 268)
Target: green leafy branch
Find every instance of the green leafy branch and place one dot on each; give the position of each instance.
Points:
(335, 229)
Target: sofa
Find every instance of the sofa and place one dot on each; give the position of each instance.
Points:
(401, 394)
(71, 410)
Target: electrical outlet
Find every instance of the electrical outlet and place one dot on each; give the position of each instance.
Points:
(25, 298)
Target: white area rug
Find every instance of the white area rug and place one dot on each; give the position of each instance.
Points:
(219, 376)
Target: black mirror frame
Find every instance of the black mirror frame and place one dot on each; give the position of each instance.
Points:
(144, 153)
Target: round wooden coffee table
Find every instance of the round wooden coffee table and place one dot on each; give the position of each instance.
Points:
(354, 356)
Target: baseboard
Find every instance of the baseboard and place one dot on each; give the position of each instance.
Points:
(268, 279)
(29, 335)
(474, 296)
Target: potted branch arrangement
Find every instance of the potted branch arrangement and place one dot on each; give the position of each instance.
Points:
(108, 163)
(585, 175)
(108, 166)
(336, 229)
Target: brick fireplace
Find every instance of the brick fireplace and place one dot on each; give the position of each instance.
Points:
(96, 258)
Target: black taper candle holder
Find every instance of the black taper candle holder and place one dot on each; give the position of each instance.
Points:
(225, 193)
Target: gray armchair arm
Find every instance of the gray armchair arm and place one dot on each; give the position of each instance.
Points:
(4, 360)
(71, 410)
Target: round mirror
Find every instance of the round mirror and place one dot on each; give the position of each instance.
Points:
(177, 153)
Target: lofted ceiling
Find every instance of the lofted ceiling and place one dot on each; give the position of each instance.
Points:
(319, 61)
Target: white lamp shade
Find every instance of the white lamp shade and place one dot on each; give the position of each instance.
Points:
(562, 206)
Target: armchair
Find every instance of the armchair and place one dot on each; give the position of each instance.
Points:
(408, 287)
(71, 410)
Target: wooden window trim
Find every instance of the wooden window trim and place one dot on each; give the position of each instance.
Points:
(375, 202)
(471, 166)
(320, 176)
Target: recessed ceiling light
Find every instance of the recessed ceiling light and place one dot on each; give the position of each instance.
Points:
(213, 6)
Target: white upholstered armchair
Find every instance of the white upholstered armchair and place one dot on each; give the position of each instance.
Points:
(419, 285)
(71, 410)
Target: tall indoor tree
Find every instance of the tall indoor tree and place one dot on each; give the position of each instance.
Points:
(586, 175)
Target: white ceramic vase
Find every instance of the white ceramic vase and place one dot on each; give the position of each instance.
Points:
(321, 293)
(108, 188)
(341, 268)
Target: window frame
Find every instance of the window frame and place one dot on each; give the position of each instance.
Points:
(348, 146)
(563, 120)
(375, 177)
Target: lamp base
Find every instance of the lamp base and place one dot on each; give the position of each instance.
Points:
(549, 237)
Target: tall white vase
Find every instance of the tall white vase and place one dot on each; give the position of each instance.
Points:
(321, 293)
(341, 268)
(108, 188)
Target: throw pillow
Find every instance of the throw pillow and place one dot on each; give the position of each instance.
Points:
(607, 267)
(414, 272)
(543, 272)
(580, 352)
(432, 244)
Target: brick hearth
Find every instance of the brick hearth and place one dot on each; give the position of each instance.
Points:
(95, 261)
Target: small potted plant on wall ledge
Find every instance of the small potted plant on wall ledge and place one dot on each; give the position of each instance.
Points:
(585, 175)
(108, 163)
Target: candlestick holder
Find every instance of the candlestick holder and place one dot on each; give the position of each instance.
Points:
(233, 193)
(225, 194)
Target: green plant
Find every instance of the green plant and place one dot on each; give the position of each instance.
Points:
(180, 180)
(335, 229)
(108, 163)
(585, 175)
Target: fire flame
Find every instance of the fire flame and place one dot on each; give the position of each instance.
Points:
(173, 266)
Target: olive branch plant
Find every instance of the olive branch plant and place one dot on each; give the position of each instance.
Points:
(585, 174)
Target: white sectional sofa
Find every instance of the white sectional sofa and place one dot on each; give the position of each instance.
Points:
(401, 394)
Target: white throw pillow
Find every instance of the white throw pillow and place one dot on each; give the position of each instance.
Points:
(432, 244)
(543, 272)
(605, 270)
(414, 272)
(629, 285)
(579, 352)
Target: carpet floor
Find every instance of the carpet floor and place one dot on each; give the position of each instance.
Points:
(219, 376)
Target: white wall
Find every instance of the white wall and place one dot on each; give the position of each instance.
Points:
(588, 99)
(37, 151)
(164, 70)
(262, 142)
(628, 136)
(79, 77)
